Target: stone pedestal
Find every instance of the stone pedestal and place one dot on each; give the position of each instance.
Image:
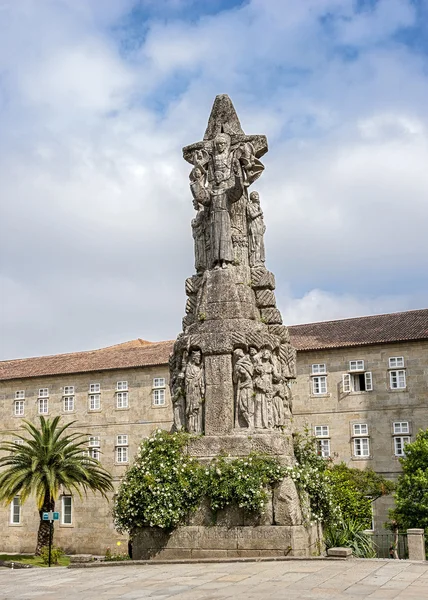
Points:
(225, 542)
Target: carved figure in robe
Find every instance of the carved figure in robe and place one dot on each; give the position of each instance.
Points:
(177, 393)
(198, 231)
(279, 413)
(256, 230)
(243, 378)
(194, 388)
(263, 387)
(224, 186)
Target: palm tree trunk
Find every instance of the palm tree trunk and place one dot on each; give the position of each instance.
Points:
(44, 526)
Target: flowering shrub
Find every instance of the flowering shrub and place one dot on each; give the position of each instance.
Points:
(310, 476)
(242, 481)
(162, 486)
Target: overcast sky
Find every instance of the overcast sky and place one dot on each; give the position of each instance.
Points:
(97, 98)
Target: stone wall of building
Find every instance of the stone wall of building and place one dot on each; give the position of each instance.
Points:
(377, 409)
(91, 529)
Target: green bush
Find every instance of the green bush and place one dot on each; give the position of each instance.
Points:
(56, 554)
(350, 534)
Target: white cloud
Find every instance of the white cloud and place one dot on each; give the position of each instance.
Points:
(95, 191)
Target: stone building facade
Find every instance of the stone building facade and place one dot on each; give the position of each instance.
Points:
(361, 388)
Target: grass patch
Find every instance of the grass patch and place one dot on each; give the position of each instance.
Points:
(36, 561)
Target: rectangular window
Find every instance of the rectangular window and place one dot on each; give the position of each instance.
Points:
(159, 382)
(321, 431)
(68, 390)
(94, 441)
(361, 447)
(356, 365)
(122, 400)
(399, 444)
(20, 442)
(20, 395)
(94, 453)
(122, 386)
(397, 379)
(401, 427)
(158, 397)
(19, 408)
(319, 385)
(360, 429)
(358, 382)
(122, 440)
(68, 403)
(396, 361)
(43, 406)
(15, 511)
(122, 454)
(67, 510)
(94, 402)
(43, 392)
(94, 388)
(318, 369)
(323, 448)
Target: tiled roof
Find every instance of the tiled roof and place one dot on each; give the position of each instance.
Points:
(360, 331)
(136, 353)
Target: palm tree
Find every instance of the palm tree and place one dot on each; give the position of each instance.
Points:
(45, 461)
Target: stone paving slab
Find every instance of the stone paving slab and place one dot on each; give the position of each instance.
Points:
(293, 580)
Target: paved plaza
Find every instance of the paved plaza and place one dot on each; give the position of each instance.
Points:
(285, 580)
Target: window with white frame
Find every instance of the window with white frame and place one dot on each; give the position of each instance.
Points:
(159, 382)
(68, 403)
(94, 441)
(397, 379)
(94, 453)
(319, 385)
(122, 400)
(322, 431)
(158, 397)
(361, 447)
(94, 388)
(122, 448)
(43, 406)
(360, 429)
(323, 442)
(94, 401)
(20, 395)
(318, 369)
(401, 427)
(323, 447)
(122, 386)
(356, 365)
(19, 442)
(361, 444)
(43, 392)
(67, 510)
(68, 390)
(15, 511)
(357, 382)
(399, 442)
(18, 408)
(396, 361)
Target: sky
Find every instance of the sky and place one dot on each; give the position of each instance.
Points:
(97, 98)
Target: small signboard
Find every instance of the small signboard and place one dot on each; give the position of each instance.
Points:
(51, 516)
(56, 516)
(46, 516)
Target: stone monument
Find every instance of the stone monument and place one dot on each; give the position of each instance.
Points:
(231, 367)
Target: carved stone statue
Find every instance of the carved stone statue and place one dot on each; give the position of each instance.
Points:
(263, 375)
(194, 387)
(243, 378)
(256, 230)
(198, 230)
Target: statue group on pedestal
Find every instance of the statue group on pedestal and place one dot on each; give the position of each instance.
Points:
(219, 179)
(263, 397)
